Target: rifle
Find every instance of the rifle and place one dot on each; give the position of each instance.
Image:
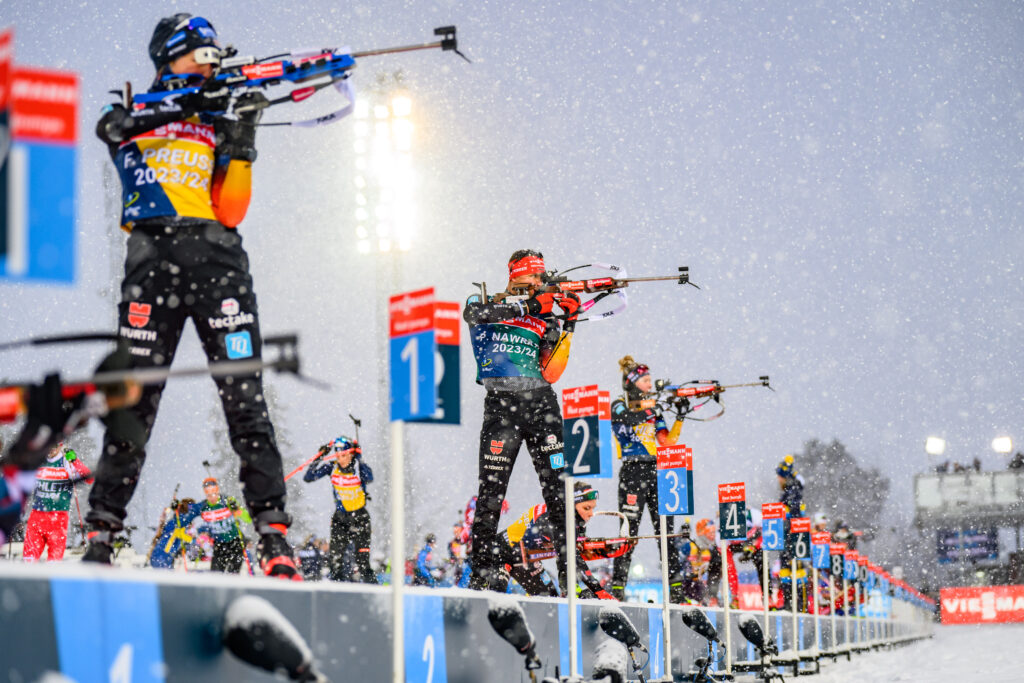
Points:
(113, 389)
(309, 71)
(676, 398)
(557, 282)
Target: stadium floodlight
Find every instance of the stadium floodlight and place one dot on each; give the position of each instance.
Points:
(1002, 444)
(385, 179)
(933, 445)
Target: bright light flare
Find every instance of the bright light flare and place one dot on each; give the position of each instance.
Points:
(933, 445)
(1002, 444)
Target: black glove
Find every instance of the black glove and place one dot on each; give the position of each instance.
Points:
(681, 404)
(212, 97)
(50, 419)
(237, 139)
(232, 503)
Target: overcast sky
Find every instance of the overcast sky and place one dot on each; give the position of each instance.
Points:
(842, 179)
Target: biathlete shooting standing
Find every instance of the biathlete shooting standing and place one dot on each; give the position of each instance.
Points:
(186, 178)
(342, 460)
(521, 349)
(639, 429)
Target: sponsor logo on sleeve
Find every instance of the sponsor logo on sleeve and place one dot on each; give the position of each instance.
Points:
(557, 461)
(139, 313)
(230, 307)
(238, 345)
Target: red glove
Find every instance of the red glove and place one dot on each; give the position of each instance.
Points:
(569, 303)
(541, 304)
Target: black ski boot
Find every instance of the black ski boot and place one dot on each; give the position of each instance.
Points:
(619, 592)
(101, 547)
(274, 553)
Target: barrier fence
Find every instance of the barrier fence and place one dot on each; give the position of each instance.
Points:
(96, 624)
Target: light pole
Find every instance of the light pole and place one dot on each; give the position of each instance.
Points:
(386, 214)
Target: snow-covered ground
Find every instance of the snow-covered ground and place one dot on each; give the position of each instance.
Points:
(964, 654)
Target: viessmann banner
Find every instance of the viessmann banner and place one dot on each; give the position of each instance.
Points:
(982, 605)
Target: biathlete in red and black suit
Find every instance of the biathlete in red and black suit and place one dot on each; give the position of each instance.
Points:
(521, 349)
(186, 179)
(47, 525)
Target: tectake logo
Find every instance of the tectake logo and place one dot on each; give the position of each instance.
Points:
(229, 307)
(138, 314)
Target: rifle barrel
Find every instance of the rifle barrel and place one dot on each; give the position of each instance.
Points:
(393, 50)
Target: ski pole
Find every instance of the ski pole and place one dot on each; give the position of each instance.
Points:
(299, 468)
(78, 508)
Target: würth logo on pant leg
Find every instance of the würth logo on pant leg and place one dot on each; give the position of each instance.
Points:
(138, 314)
(497, 446)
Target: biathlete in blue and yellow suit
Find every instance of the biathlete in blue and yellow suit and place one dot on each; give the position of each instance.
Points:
(342, 460)
(791, 494)
(528, 540)
(521, 349)
(173, 534)
(186, 177)
(639, 429)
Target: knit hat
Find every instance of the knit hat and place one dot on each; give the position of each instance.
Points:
(525, 262)
(631, 372)
(583, 492)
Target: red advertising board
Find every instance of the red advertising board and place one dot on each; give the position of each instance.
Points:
(670, 457)
(837, 549)
(6, 57)
(773, 510)
(580, 402)
(44, 105)
(604, 405)
(411, 312)
(447, 322)
(982, 604)
(732, 493)
(820, 537)
(800, 525)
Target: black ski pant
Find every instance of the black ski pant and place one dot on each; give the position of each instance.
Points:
(227, 556)
(176, 270)
(510, 418)
(638, 488)
(351, 527)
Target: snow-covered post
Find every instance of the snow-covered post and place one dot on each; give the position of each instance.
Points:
(397, 554)
(666, 622)
(793, 606)
(846, 616)
(856, 609)
(726, 600)
(764, 590)
(817, 612)
(570, 581)
(832, 610)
